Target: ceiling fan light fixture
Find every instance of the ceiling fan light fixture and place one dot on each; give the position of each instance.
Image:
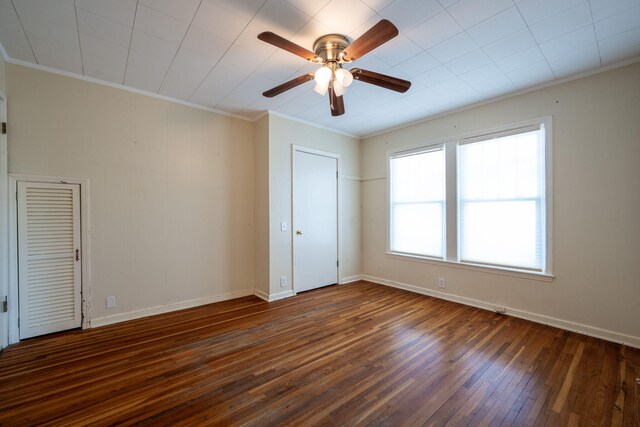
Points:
(331, 51)
(323, 75)
(323, 78)
(338, 88)
(343, 77)
(321, 89)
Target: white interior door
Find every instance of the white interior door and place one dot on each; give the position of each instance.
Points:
(49, 274)
(315, 220)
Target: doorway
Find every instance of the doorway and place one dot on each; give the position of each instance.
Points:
(315, 219)
(49, 257)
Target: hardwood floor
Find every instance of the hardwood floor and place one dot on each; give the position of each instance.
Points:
(354, 354)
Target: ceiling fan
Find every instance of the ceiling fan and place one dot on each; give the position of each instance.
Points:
(331, 51)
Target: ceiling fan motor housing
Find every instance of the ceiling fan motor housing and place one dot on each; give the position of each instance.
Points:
(328, 47)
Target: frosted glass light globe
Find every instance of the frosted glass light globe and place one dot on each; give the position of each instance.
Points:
(344, 77)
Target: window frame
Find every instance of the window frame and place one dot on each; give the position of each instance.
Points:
(406, 153)
(451, 223)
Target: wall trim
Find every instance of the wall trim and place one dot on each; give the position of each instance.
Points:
(351, 177)
(261, 294)
(151, 311)
(273, 297)
(281, 295)
(580, 328)
(350, 279)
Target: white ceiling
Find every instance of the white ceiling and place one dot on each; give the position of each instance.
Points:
(455, 52)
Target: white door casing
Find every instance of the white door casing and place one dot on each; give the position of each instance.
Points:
(315, 219)
(4, 229)
(49, 266)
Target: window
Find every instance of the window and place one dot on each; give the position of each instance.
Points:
(417, 203)
(498, 200)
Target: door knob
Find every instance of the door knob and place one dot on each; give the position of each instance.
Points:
(299, 232)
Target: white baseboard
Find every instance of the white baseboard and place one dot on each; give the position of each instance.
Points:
(136, 314)
(260, 294)
(351, 279)
(273, 297)
(534, 317)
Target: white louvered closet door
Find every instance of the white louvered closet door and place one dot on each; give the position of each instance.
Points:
(49, 258)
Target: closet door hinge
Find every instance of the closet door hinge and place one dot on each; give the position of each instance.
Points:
(4, 307)
(4, 128)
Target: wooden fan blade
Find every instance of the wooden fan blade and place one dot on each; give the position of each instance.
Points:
(336, 103)
(288, 85)
(377, 35)
(285, 44)
(382, 80)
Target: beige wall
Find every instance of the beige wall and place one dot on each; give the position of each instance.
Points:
(283, 134)
(596, 179)
(171, 187)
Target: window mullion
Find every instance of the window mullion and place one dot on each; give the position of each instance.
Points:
(451, 218)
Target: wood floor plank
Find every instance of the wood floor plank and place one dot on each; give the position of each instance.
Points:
(360, 354)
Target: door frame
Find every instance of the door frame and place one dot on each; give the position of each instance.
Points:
(85, 245)
(4, 220)
(336, 156)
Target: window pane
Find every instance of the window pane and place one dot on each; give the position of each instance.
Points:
(418, 178)
(500, 201)
(501, 168)
(417, 229)
(417, 204)
(503, 233)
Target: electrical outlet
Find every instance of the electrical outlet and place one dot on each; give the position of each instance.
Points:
(111, 302)
(283, 281)
(441, 283)
(283, 225)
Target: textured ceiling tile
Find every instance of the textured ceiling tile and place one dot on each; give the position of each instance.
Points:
(619, 23)
(308, 7)
(102, 59)
(471, 12)
(344, 17)
(434, 30)
(620, 47)
(187, 71)
(182, 10)
(103, 28)
(497, 27)
(121, 11)
(160, 25)
(12, 37)
(406, 14)
(218, 21)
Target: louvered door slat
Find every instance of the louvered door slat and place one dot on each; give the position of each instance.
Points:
(49, 275)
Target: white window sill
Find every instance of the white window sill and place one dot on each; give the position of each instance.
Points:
(523, 274)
